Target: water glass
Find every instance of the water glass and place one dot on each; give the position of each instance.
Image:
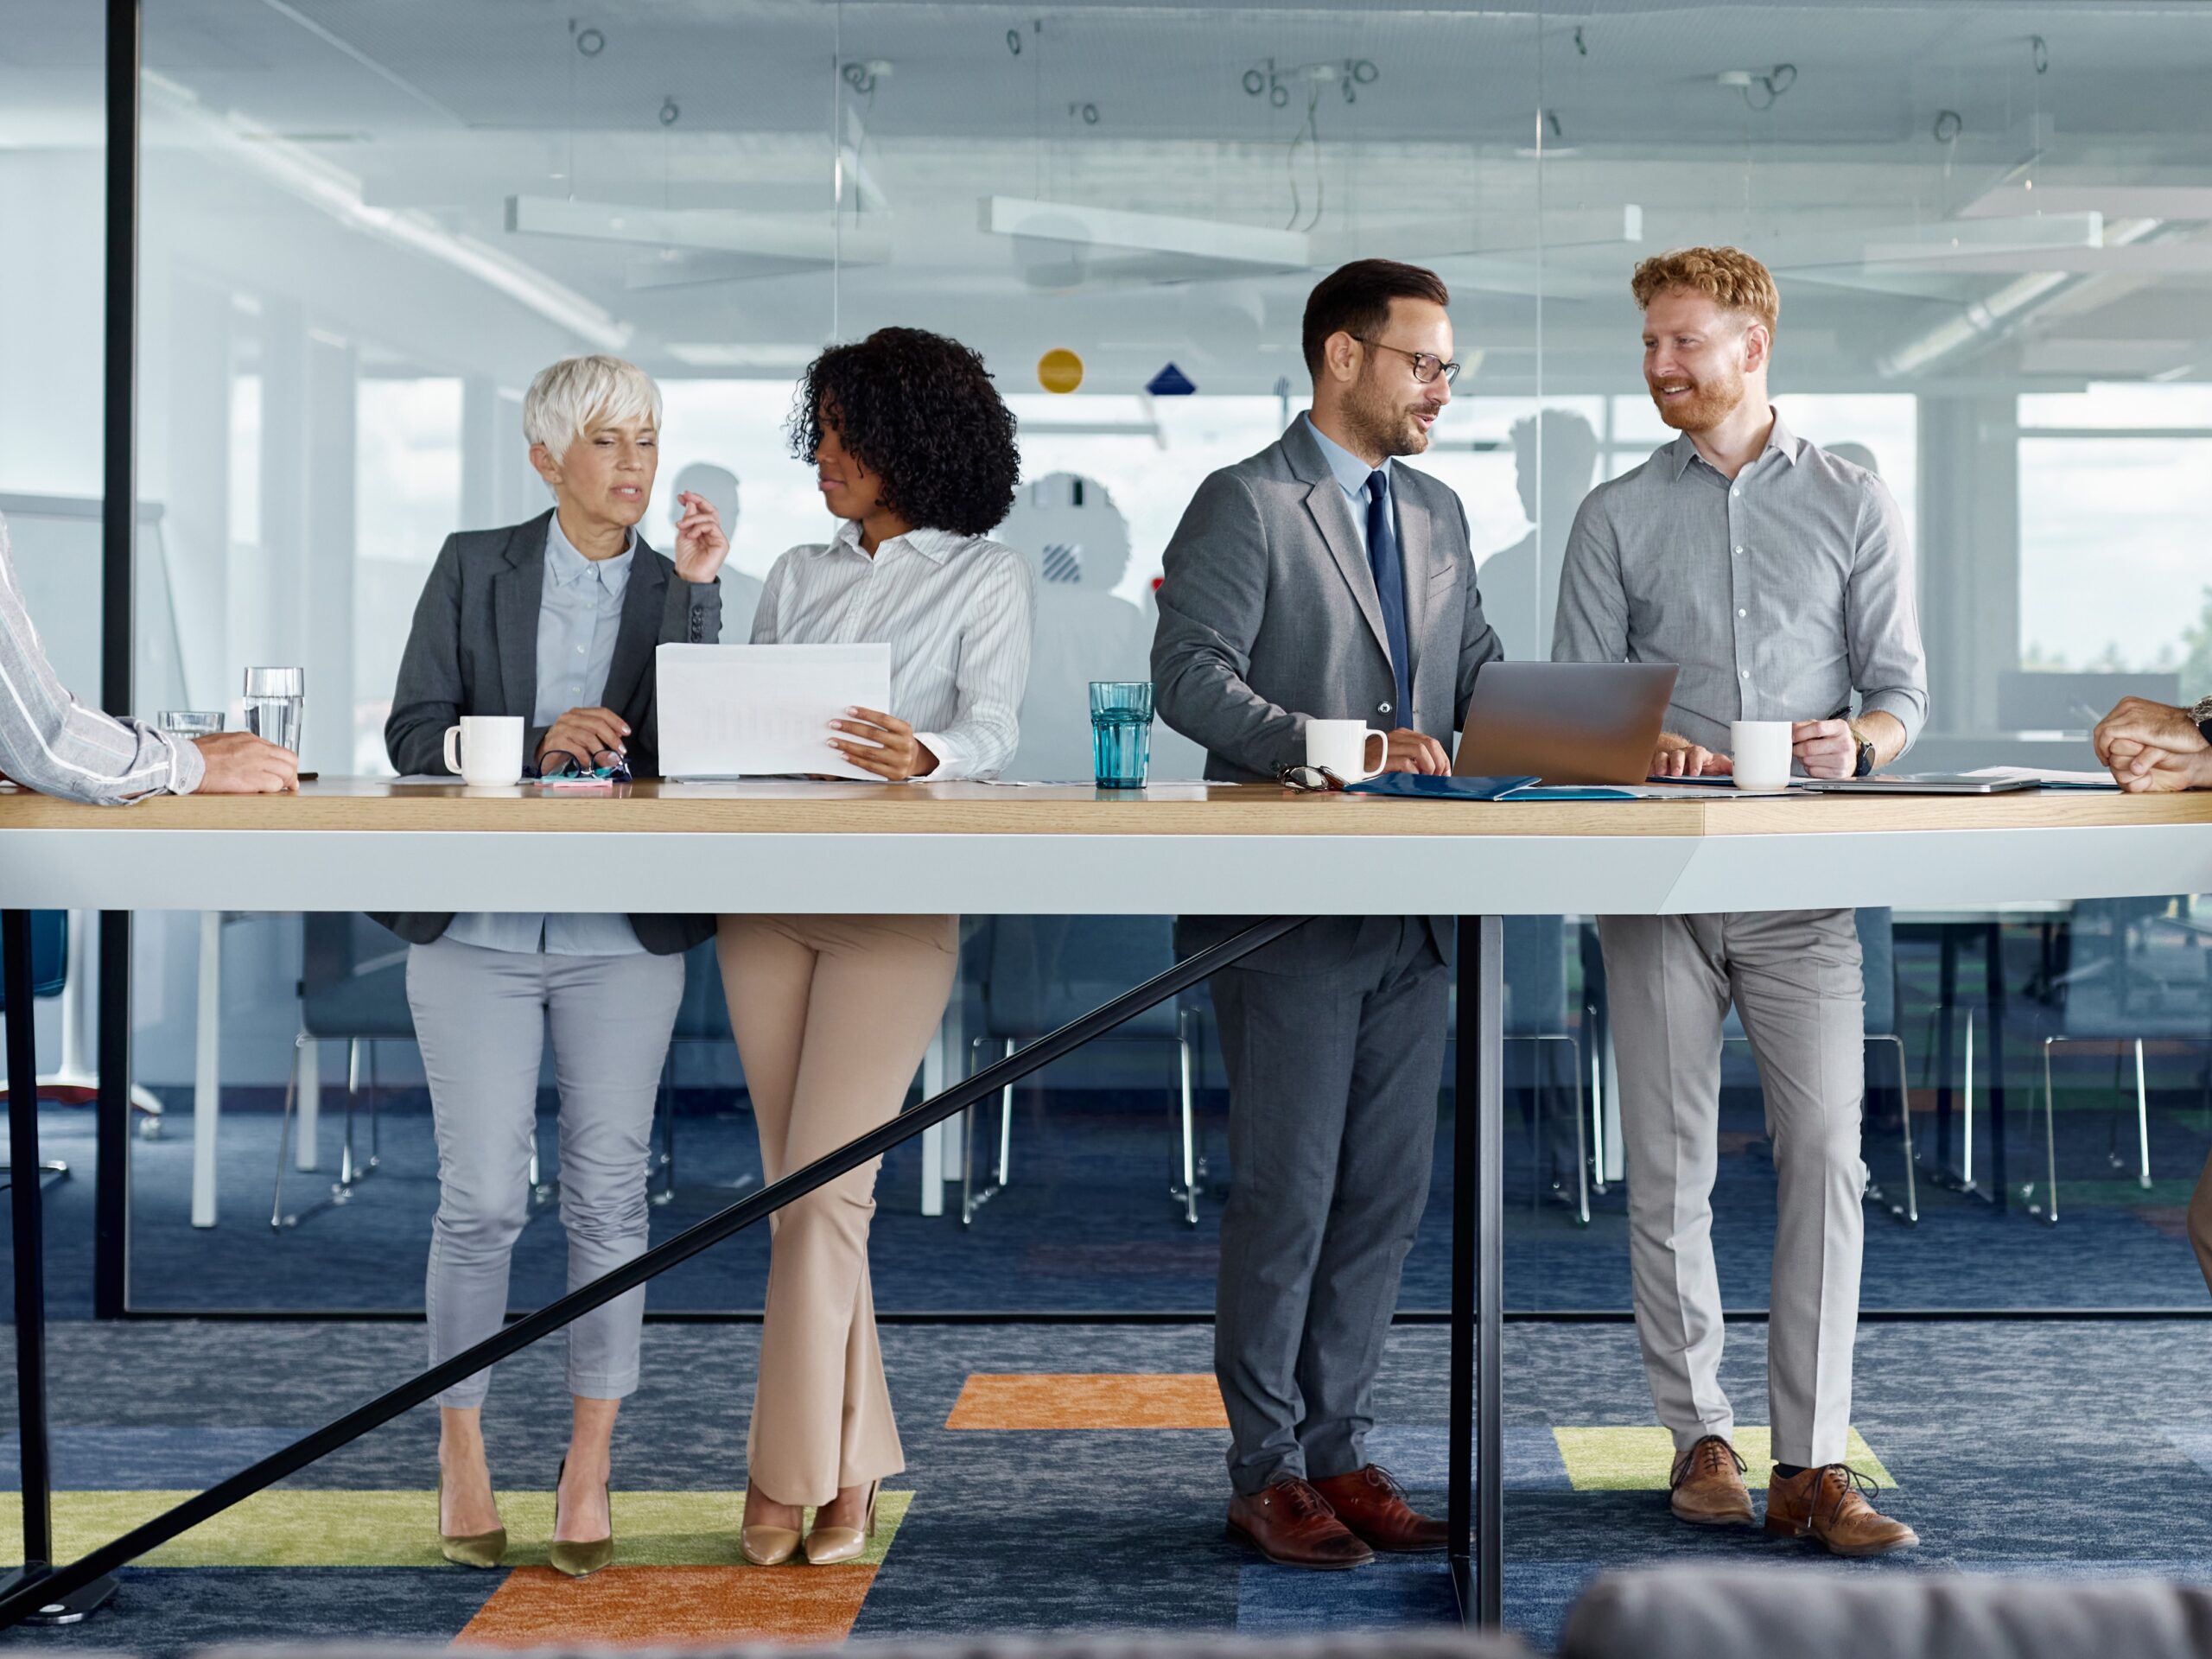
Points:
(1120, 732)
(276, 704)
(189, 722)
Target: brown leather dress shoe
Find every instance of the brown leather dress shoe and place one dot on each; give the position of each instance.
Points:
(1706, 1487)
(1292, 1525)
(1829, 1504)
(1373, 1504)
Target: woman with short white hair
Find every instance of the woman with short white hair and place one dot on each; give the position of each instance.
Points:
(554, 620)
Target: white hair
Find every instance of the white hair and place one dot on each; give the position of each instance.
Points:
(578, 393)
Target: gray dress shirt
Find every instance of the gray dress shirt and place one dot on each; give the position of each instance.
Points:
(1779, 595)
(579, 612)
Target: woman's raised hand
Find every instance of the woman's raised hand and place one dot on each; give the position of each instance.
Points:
(700, 547)
(882, 744)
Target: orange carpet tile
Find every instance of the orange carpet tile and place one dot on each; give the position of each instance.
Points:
(671, 1607)
(1047, 1400)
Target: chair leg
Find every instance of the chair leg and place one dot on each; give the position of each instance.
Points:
(1581, 1146)
(284, 1141)
(1905, 1119)
(1189, 1192)
(1005, 1122)
(346, 1173)
(1966, 1113)
(2142, 1119)
(664, 1118)
(376, 1125)
(2049, 1138)
(1597, 1102)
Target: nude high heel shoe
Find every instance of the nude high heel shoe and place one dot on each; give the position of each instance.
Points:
(825, 1546)
(765, 1546)
(579, 1561)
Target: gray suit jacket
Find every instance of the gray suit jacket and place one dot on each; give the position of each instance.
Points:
(474, 651)
(1268, 616)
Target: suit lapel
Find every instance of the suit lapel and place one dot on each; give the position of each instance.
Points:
(644, 598)
(1332, 514)
(517, 593)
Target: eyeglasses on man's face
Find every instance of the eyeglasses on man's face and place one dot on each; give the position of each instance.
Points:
(1427, 365)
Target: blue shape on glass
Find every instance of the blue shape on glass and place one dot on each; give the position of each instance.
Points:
(1171, 382)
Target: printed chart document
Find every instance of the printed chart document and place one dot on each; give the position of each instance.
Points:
(763, 711)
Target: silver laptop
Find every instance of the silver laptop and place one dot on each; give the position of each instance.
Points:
(1918, 783)
(1565, 723)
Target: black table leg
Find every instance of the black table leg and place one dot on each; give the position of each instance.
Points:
(1476, 1515)
(1994, 950)
(24, 1199)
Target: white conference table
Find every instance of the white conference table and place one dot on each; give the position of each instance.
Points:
(359, 844)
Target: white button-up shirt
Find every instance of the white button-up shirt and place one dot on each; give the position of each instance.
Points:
(957, 612)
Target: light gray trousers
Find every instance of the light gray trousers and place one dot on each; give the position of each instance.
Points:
(1332, 1084)
(1795, 977)
(480, 1017)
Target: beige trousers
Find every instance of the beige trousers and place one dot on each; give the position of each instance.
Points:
(832, 1015)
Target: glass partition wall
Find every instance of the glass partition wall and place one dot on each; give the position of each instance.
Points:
(364, 228)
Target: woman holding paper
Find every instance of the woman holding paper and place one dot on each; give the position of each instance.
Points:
(914, 450)
(538, 641)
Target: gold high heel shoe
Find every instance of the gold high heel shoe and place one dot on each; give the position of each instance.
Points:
(469, 1549)
(825, 1546)
(765, 1546)
(580, 1560)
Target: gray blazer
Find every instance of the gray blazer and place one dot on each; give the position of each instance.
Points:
(1268, 616)
(474, 651)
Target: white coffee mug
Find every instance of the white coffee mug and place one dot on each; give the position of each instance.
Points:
(1762, 752)
(485, 749)
(1345, 748)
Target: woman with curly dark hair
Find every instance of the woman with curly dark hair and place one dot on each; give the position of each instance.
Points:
(914, 451)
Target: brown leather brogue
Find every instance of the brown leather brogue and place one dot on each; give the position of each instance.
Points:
(1372, 1503)
(1293, 1525)
(1706, 1485)
(1829, 1504)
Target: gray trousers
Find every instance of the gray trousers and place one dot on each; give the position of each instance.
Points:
(1333, 1083)
(1795, 977)
(480, 1017)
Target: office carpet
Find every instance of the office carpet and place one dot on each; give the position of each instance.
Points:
(1066, 1478)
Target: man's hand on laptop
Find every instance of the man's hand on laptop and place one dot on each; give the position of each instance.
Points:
(587, 733)
(1415, 751)
(1677, 757)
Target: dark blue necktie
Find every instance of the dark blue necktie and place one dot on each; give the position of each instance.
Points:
(1390, 588)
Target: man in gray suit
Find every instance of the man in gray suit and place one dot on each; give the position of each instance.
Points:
(1320, 580)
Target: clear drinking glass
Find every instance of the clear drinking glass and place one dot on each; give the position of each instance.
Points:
(189, 722)
(276, 704)
(1120, 732)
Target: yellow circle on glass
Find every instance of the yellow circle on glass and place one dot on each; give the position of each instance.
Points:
(1059, 369)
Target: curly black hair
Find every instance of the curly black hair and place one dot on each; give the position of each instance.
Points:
(921, 412)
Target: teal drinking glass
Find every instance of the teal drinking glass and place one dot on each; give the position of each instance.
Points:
(1120, 732)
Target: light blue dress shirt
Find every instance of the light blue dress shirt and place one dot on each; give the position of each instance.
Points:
(1351, 474)
(579, 614)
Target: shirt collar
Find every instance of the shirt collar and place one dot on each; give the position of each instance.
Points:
(1350, 471)
(935, 545)
(1683, 450)
(565, 566)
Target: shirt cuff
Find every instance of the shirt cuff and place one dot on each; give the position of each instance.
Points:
(1902, 706)
(187, 766)
(951, 765)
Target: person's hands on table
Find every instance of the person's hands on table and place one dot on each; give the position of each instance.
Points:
(1409, 750)
(2141, 769)
(1677, 757)
(882, 744)
(239, 763)
(1825, 748)
(587, 733)
(700, 547)
(2144, 727)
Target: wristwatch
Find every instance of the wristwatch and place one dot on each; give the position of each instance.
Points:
(1864, 766)
(2200, 712)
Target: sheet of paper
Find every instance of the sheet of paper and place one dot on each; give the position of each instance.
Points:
(2050, 779)
(755, 711)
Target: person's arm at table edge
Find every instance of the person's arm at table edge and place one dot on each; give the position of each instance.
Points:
(1888, 665)
(428, 696)
(986, 726)
(1211, 597)
(53, 744)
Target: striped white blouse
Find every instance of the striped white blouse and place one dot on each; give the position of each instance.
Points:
(957, 612)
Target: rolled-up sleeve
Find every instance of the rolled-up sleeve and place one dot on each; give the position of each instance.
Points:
(52, 743)
(1889, 670)
(993, 672)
